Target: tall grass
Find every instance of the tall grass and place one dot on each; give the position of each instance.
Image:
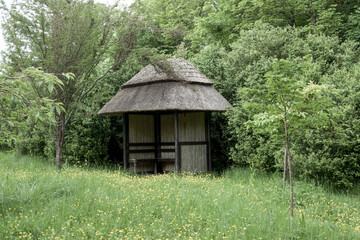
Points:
(38, 202)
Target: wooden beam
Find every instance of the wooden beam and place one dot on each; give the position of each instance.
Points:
(157, 136)
(126, 139)
(207, 139)
(142, 113)
(167, 144)
(194, 143)
(142, 150)
(177, 145)
(167, 150)
(141, 144)
(166, 160)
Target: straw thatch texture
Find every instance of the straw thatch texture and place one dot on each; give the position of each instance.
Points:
(166, 96)
(183, 88)
(174, 69)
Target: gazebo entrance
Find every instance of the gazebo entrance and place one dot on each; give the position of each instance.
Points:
(164, 141)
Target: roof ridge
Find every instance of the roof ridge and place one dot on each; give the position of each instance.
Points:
(178, 69)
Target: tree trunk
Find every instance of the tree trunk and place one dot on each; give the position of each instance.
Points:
(286, 146)
(291, 185)
(287, 152)
(285, 166)
(60, 132)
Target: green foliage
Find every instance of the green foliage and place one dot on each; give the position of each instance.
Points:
(34, 142)
(87, 39)
(331, 67)
(333, 64)
(87, 141)
(337, 152)
(91, 203)
(167, 23)
(93, 139)
(326, 160)
(90, 139)
(20, 104)
(226, 18)
(233, 42)
(209, 62)
(287, 98)
(353, 26)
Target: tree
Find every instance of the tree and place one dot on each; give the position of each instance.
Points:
(18, 102)
(226, 18)
(322, 154)
(67, 36)
(168, 23)
(288, 104)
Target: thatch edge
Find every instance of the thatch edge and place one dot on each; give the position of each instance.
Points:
(166, 96)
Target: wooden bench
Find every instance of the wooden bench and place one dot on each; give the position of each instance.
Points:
(151, 160)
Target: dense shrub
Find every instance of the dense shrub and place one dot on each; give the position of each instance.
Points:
(94, 139)
(325, 154)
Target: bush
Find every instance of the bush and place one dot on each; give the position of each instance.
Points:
(328, 154)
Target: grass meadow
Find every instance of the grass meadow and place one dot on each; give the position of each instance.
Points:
(38, 202)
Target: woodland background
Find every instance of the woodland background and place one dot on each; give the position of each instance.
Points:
(95, 48)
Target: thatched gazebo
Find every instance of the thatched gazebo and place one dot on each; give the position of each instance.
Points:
(166, 110)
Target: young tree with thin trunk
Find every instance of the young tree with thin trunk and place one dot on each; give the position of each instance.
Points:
(288, 104)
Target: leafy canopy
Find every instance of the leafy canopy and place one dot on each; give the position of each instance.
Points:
(19, 102)
(289, 96)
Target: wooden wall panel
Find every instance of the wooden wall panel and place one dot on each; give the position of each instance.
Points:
(193, 158)
(191, 126)
(192, 129)
(141, 130)
(167, 128)
(168, 135)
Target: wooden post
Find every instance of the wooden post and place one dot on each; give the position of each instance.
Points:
(126, 139)
(157, 139)
(207, 139)
(177, 145)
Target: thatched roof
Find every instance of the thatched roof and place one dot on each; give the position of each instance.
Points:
(173, 69)
(176, 86)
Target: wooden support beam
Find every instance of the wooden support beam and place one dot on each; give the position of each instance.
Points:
(207, 139)
(142, 151)
(126, 139)
(167, 150)
(157, 136)
(169, 143)
(194, 142)
(141, 144)
(177, 145)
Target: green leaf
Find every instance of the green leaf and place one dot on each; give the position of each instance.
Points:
(51, 87)
(58, 110)
(11, 124)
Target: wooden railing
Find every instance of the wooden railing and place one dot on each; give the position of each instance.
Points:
(151, 160)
